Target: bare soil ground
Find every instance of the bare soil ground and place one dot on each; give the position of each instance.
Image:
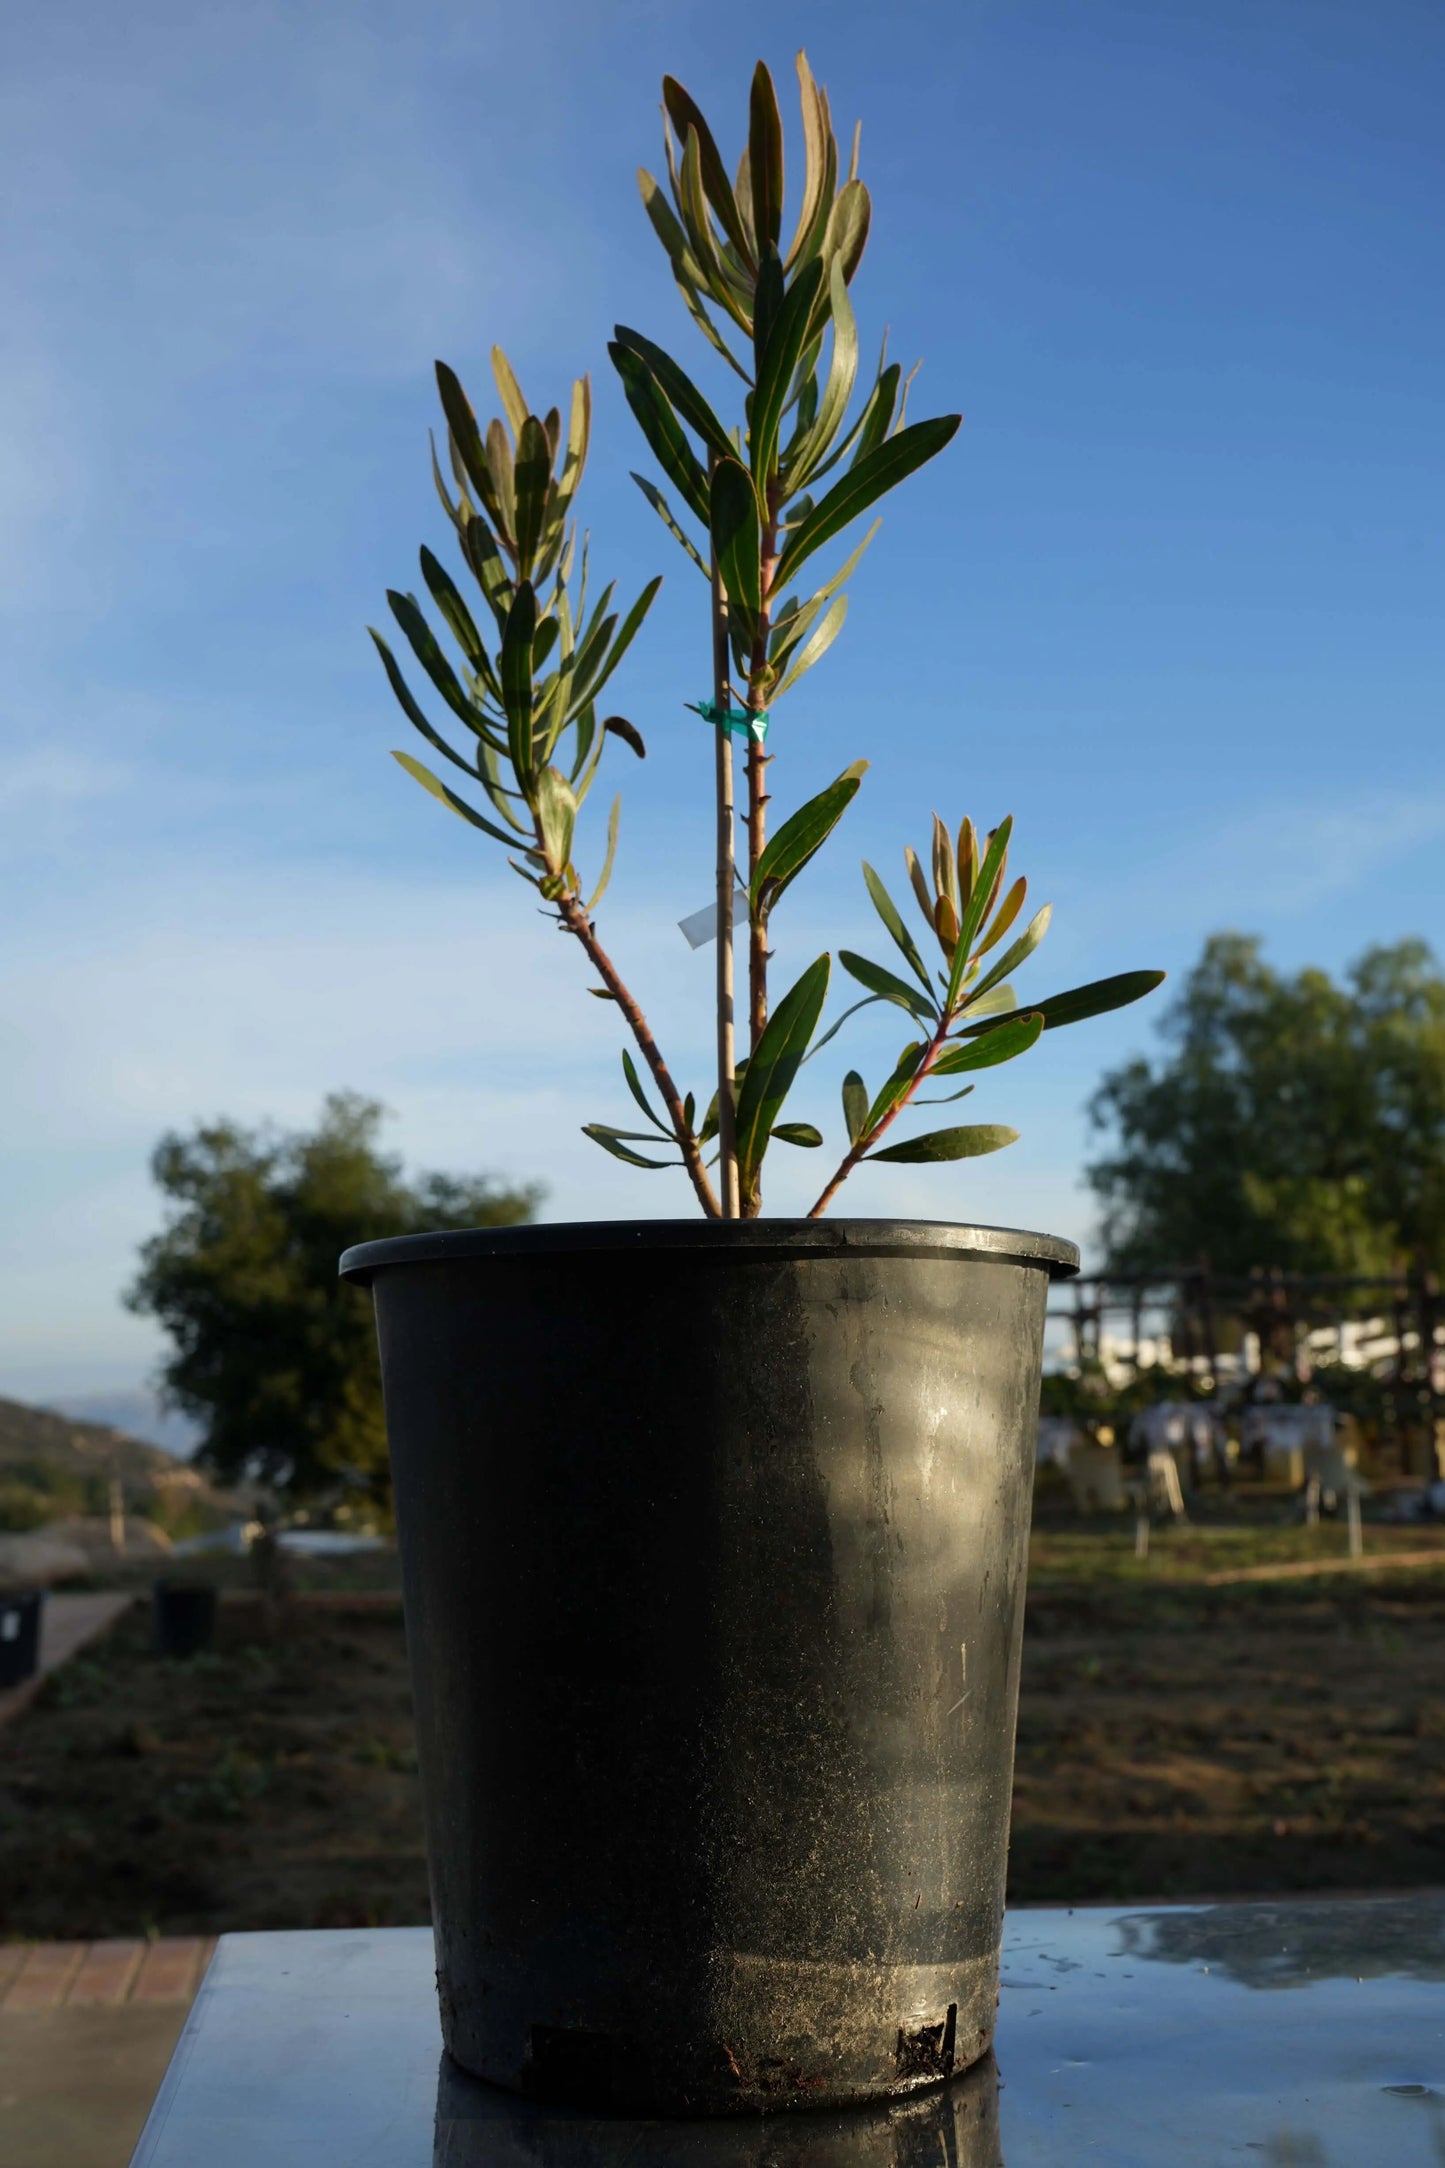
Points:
(1175, 1740)
(268, 1783)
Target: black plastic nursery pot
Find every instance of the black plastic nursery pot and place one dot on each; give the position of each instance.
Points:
(184, 1617)
(713, 1542)
(19, 1635)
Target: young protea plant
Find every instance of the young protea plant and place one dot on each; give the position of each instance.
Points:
(811, 451)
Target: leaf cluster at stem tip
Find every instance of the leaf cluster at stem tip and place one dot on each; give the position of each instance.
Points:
(532, 663)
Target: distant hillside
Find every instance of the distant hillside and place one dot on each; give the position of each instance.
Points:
(53, 1467)
(138, 1413)
(31, 1436)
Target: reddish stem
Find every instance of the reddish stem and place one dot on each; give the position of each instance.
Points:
(870, 1137)
(573, 914)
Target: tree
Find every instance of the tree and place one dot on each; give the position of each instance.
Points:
(270, 1349)
(1295, 1122)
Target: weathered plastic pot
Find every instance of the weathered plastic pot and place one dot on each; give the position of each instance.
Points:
(184, 1617)
(713, 1544)
(19, 1636)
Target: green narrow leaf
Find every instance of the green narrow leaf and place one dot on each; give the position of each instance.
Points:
(867, 480)
(798, 1133)
(1004, 917)
(613, 819)
(685, 269)
(634, 1085)
(1081, 1002)
(814, 444)
(1005, 1042)
(801, 836)
(678, 389)
(847, 231)
(626, 635)
(579, 433)
(504, 480)
(664, 512)
(685, 117)
(892, 918)
(769, 294)
(822, 167)
(972, 917)
(786, 337)
(611, 1141)
(586, 722)
(449, 798)
(869, 1001)
(533, 479)
(489, 770)
(814, 648)
(660, 426)
(423, 645)
(792, 622)
(514, 406)
(445, 595)
(515, 671)
(945, 872)
(873, 424)
(855, 1105)
(966, 1143)
(1016, 953)
(737, 534)
(774, 1065)
(455, 512)
(467, 440)
(881, 982)
(489, 566)
(690, 192)
(1002, 1001)
(557, 815)
(409, 707)
(765, 158)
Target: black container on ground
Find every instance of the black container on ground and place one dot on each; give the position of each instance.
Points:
(713, 1543)
(19, 1636)
(185, 1617)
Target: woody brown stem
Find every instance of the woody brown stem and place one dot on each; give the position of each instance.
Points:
(573, 914)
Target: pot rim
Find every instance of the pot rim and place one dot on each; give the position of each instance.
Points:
(758, 1238)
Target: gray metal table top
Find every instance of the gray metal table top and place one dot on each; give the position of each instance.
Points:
(1310, 2034)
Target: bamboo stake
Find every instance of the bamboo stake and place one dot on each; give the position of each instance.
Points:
(726, 880)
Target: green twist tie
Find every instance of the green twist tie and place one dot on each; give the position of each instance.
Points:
(742, 722)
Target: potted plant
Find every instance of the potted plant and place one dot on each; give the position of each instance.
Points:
(713, 1533)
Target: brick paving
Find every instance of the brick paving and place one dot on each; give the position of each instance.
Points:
(75, 1975)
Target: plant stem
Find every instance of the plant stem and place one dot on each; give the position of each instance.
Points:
(573, 915)
(726, 880)
(759, 762)
(870, 1137)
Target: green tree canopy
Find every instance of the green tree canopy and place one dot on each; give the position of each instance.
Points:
(270, 1349)
(1293, 1121)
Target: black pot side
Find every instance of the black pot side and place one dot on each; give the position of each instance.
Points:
(20, 1613)
(713, 1542)
(184, 1617)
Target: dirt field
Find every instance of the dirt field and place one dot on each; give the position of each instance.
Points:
(1175, 1740)
(270, 1783)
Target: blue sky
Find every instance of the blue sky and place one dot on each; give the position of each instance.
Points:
(1172, 598)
